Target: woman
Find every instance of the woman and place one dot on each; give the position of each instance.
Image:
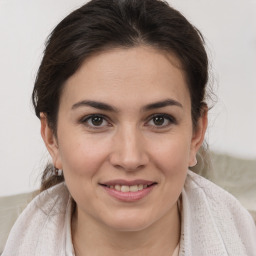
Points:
(121, 98)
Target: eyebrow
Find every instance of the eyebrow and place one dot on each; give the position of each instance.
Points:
(94, 104)
(161, 104)
(107, 107)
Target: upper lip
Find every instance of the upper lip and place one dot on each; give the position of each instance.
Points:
(127, 182)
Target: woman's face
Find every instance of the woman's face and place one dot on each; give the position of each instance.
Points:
(125, 137)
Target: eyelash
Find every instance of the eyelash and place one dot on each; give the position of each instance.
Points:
(171, 120)
(86, 119)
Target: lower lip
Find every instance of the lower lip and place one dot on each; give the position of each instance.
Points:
(129, 196)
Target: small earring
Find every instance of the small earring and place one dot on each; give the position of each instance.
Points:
(194, 163)
(58, 172)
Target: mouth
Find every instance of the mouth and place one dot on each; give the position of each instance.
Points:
(127, 188)
(128, 191)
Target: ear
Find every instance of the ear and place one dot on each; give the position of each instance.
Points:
(50, 141)
(198, 136)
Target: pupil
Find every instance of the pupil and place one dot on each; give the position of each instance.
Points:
(97, 120)
(159, 120)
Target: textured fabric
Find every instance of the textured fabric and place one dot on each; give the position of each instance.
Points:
(213, 224)
(236, 175)
(10, 208)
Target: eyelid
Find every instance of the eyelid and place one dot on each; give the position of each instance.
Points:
(170, 118)
(84, 121)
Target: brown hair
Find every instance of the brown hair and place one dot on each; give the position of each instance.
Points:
(104, 24)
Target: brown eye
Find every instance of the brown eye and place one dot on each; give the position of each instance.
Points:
(161, 121)
(158, 120)
(97, 120)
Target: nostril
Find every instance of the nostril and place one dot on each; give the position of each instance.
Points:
(129, 167)
(119, 167)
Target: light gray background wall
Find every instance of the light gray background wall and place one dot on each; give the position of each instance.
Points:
(230, 31)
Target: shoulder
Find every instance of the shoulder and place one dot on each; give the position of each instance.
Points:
(40, 223)
(218, 199)
(198, 185)
(221, 213)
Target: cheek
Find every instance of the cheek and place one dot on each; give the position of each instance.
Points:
(171, 159)
(172, 154)
(82, 155)
(82, 159)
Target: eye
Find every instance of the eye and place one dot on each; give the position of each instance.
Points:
(95, 121)
(161, 120)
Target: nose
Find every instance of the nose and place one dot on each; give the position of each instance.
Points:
(129, 151)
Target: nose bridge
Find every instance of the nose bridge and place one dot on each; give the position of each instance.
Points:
(129, 152)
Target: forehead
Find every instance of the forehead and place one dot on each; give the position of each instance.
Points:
(134, 74)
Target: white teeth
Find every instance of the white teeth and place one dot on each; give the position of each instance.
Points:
(124, 188)
(118, 187)
(134, 188)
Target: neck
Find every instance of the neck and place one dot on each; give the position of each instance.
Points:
(160, 238)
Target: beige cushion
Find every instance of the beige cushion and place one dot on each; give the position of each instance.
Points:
(234, 174)
(10, 209)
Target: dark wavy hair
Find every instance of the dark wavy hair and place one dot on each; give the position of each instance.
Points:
(104, 24)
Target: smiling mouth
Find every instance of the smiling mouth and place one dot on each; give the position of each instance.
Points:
(126, 188)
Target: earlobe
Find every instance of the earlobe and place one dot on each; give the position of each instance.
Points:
(50, 141)
(198, 136)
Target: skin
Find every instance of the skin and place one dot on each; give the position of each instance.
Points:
(127, 144)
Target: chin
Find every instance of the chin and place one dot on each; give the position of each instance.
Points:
(130, 223)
